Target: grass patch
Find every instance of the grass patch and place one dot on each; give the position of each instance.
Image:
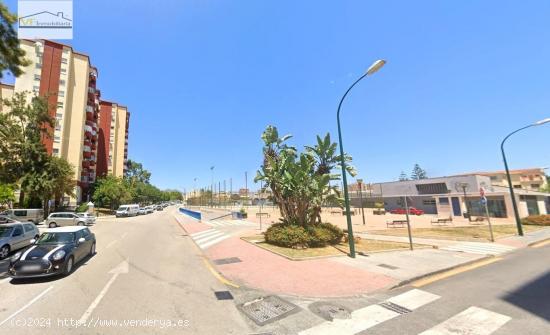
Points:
(458, 233)
(363, 245)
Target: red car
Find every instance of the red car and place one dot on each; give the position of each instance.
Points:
(412, 211)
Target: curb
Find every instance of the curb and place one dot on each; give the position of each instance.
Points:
(422, 276)
(537, 242)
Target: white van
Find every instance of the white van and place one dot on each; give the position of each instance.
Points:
(127, 210)
(35, 215)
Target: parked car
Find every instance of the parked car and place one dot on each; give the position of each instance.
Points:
(159, 208)
(7, 219)
(150, 209)
(55, 252)
(142, 211)
(61, 219)
(15, 236)
(90, 217)
(127, 210)
(412, 211)
(35, 215)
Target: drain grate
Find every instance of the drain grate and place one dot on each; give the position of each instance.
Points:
(267, 309)
(229, 260)
(223, 295)
(395, 307)
(387, 266)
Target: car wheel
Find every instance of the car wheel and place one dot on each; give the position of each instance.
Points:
(69, 266)
(92, 249)
(36, 237)
(52, 225)
(4, 251)
(80, 223)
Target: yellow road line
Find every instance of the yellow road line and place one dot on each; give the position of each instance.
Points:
(540, 244)
(430, 279)
(217, 274)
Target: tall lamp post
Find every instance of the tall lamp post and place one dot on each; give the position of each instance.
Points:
(509, 178)
(212, 187)
(360, 182)
(377, 65)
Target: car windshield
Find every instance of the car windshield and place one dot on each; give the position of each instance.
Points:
(122, 208)
(82, 215)
(55, 238)
(5, 231)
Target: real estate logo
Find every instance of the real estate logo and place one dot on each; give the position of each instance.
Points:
(45, 19)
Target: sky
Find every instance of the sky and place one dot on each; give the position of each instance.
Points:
(202, 79)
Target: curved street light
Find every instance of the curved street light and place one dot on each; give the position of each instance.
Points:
(377, 65)
(510, 186)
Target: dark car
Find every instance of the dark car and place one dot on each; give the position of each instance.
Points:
(55, 252)
(412, 211)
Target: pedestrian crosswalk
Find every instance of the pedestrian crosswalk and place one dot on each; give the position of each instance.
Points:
(209, 237)
(230, 223)
(480, 248)
(472, 321)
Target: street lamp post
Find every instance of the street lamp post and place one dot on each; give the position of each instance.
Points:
(360, 182)
(509, 178)
(212, 187)
(372, 69)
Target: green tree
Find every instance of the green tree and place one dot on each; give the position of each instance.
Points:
(136, 173)
(112, 192)
(418, 173)
(12, 57)
(300, 182)
(7, 196)
(403, 176)
(22, 129)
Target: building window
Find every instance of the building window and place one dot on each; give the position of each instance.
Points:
(36, 89)
(60, 104)
(493, 178)
(62, 82)
(63, 60)
(63, 70)
(57, 139)
(517, 186)
(37, 77)
(56, 152)
(434, 188)
(57, 125)
(535, 186)
(59, 116)
(61, 93)
(429, 202)
(444, 201)
(38, 65)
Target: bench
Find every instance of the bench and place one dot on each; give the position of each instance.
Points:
(396, 223)
(267, 215)
(350, 213)
(440, 221)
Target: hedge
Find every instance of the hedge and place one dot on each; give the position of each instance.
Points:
(537, 220)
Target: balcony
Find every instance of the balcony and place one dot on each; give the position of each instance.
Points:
(85, 163)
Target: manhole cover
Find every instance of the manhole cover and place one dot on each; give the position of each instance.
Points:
(267, 309)
(229, 260)
(387, 266)
(329, 311)
(223, 295)
(395, 307)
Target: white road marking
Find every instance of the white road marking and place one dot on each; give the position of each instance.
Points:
(203, 233)
(370, 316)
(480, 248)
(26, 305)
(110, 244)
(219, 239)
(121, 268)
(473, 321)
(203, 239)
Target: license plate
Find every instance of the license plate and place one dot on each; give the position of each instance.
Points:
(31, 267)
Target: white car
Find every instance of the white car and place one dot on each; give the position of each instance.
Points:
(90, 218)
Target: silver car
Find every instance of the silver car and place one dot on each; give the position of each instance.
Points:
(15, 236)
(90, 217)
(6, 219)
(61, 219)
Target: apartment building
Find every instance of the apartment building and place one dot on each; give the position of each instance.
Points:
(6, 92)
(114, 122)
(69, 82)
(528, 179)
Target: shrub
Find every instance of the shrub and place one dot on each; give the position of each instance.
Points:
(296, 236)
(83, 207)
(537, 220)
(285, 235)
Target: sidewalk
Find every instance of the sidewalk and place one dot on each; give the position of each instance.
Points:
(260, 269)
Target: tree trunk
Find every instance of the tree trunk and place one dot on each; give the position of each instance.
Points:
(21, 198)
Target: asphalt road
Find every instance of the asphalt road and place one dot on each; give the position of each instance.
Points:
(516, 288)
(146, 278)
